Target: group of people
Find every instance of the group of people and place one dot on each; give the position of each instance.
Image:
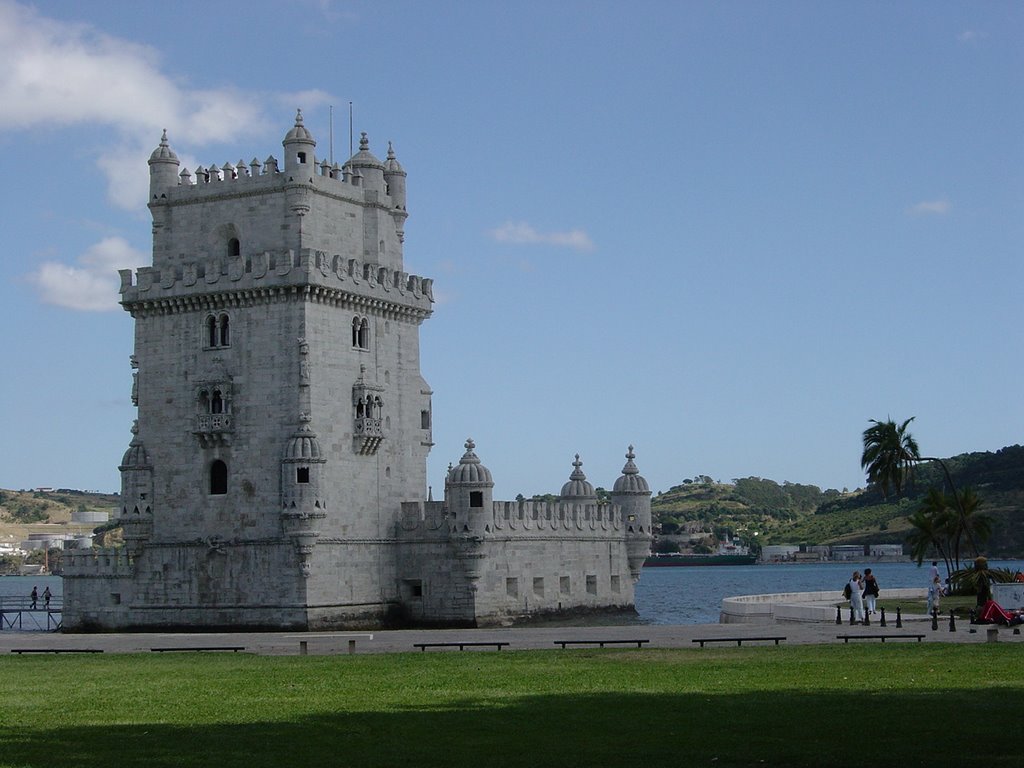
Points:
(862, 593)
(34, 597)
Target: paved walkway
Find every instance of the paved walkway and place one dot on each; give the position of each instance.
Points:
(660, 636)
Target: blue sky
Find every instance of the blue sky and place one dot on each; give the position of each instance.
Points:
(727, 233)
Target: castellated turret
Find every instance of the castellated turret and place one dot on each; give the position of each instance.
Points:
(303, 505)
(136, 518)
(299, 147)
(469, 491)
(163, 169)
(633, 496)
(366, 165)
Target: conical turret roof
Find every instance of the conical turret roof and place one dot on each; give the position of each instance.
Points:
(578, 486)
(299, 132)
(469, 470)
(631, 481)
(163, 153)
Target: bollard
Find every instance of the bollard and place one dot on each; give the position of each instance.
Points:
(839, 615)
(952, 622)
(899, 618)
(883, 616)
(851, 615)
(935, 619)
(867, 618)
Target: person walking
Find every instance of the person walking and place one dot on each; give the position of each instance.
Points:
(870, 591)
(46, 598)
(34, 597)
(934, 596)
(856, 598)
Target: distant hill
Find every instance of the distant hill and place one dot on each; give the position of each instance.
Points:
(22, 512)
(804, 514)
(786, 513)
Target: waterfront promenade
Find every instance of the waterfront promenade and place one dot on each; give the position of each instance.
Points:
(517, 638)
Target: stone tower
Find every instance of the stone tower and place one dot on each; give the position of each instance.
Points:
(276, 474)
(282, 417)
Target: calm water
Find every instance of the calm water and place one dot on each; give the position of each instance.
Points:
(694, 595)
(683, 595)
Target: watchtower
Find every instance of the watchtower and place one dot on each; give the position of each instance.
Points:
(282, 416)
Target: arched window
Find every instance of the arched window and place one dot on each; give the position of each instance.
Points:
(360, 332)
(234, 247)
(217, 331)
(217, 402)
(364, 334)
(218, 478)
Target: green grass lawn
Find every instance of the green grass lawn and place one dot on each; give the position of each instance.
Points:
(834, 705)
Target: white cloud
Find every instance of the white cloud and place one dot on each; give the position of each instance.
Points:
(930, 208)
(55, 73)
(521, 233)
(971, 36)
(92, 285)
(59, 74)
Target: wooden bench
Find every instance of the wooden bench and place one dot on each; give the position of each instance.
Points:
(304, 640)
(461, 646)
(883, 638)
(601, 643)
(738, 640)
(186, 648)
(56, 650)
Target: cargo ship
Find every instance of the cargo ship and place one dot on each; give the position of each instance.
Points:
(728, 554)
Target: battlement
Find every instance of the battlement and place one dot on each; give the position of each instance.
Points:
(556, 516)
(517, 518)
(365, 283)
(105, 562)
(258, 178)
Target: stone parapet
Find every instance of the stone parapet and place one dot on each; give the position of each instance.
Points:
(796, 606)
(250, 279)
(514, 517)
(106, 562)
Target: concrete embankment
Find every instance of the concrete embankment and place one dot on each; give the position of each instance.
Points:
(802, 607)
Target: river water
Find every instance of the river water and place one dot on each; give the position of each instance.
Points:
(683, 595)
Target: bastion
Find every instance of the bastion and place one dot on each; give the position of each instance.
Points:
(276, 474)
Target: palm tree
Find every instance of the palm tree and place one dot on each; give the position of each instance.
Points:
(976, 526)
(890, 453)
(927, 523)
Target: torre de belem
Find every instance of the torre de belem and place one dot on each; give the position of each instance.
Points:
(276, 475)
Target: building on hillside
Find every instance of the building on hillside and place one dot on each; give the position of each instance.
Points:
(276, 475)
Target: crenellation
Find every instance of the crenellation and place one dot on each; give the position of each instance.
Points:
(264, 270)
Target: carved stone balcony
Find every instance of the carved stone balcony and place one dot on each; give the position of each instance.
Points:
(213, 429)
(368, 434)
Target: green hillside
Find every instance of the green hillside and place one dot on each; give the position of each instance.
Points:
(789, 513)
